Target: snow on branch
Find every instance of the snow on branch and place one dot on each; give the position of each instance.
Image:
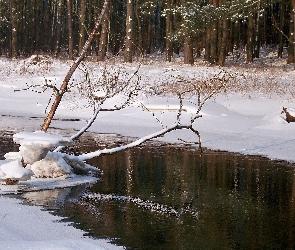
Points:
(160, 133)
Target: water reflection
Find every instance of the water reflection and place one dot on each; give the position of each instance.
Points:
(53, 199)
(222, 201)
(6, 144)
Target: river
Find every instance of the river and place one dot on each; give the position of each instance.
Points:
(162, 196)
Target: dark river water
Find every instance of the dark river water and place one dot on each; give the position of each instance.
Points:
(173, 197)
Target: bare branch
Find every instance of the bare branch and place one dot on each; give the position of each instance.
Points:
(160, 133)
(82, 130)
(153, 114)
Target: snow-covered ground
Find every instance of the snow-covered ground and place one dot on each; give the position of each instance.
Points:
(27, 227)
(245, 120)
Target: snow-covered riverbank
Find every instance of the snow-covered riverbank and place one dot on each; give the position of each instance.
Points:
(27, 227)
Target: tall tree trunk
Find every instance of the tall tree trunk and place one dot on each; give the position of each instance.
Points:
(102, 47)
(281, 27)
(250, 38)
(293, 41)
(82, 29)
(169, 47)
(148, 35)
(47, 38)
(256, 25)
(224, 43)
(213, 43)
(70, 30)
(207, 44)
(290, 58)
(14, 28)
(188, 47)
(139, 28)
(214, 38)
(291, 49)
(236, 36)
(128, 52)
(58, 27)
(37, 27)
(188, 51)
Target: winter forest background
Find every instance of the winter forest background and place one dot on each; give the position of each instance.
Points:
(210, 29)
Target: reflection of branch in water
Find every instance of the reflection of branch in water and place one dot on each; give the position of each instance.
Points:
(148, 205)
(47, 198)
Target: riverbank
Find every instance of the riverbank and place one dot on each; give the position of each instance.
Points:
(29, 227)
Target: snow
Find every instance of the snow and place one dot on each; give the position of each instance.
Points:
(41, 138)
(51, 166)
(14, 170)
(246, 119)
(27, 227)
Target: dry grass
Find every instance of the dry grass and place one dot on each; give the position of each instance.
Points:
(264, 81)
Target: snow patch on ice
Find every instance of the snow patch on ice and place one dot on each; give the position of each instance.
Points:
(14, 170)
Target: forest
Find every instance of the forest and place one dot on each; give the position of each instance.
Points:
(208, 29)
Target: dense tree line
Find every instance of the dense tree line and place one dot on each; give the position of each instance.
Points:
(207, 28)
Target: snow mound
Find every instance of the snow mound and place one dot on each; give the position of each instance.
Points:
(35, 152)
(52, 166)
(15, 171)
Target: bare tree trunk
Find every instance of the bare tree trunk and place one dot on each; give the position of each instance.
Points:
(207, 44)
(188, 51)
(223, 38)
(148, 36)
(224, 43)
(70, 28)
(128, 52)
(35, 44)
(64, 87)
(139, 27)
(213, 43)
(256, 35)
(102, 47)
(58, 28)
(188, 47)
(47, 38)
(290, 58)
(250, 38)
(293, 40)
(282, 24)
(236, 36)
(169, 48)
(214, 38)
(82, 30)
(293, 11)
(14, 28)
